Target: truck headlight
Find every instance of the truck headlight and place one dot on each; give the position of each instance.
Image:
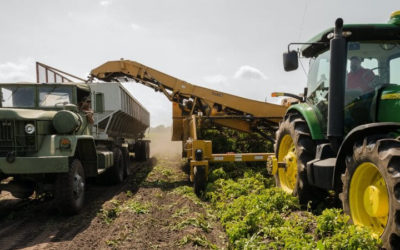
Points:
(30, 128)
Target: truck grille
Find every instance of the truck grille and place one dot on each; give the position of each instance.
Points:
(14, 139)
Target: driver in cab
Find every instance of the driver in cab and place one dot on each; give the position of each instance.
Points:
(85, 107)
(359, 78)
(359, 90)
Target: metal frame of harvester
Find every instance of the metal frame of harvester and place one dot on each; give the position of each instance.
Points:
(194, 106)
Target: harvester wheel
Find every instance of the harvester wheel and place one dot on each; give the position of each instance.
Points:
(70, 189)
(295, 147)
(116, 173)
(199, 183)
(371, 188)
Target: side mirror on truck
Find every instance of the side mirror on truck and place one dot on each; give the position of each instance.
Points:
(290, 60)
(99, 103)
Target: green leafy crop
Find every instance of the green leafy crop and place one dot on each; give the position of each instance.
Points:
(257, 215)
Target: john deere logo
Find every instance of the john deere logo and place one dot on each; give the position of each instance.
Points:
(391, 96)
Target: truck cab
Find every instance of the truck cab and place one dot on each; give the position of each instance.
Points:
(49, 144)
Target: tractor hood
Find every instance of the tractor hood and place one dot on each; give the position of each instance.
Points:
(389, 104)
(26, 114)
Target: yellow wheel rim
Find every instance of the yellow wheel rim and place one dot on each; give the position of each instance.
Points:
(287, 153)
(368, 198)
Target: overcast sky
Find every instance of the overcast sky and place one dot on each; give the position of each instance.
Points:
(229, 45)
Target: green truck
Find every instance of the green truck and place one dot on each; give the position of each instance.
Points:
(342, 135)
(50, 144)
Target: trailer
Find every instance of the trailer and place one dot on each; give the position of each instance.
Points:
(123, 118)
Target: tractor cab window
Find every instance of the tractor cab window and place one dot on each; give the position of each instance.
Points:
(318, 78)
(318, 84)
(394, 65)
(370, 65)
(17, 96)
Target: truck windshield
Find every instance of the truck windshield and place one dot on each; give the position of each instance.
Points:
(371, 65)
(54, 95)
(17, 96)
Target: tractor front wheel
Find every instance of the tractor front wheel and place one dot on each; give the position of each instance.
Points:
(371, 188)
(294, 148)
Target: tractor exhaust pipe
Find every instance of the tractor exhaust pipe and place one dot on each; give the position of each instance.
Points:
(337, 86)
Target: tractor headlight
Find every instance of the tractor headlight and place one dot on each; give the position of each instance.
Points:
(30, 128)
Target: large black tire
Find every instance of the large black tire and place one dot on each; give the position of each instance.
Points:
(23, 190)
(142, 151)
(295, 128)
(147, 150)
(116, 173)
(125, 155)
(139, 154)
(374, 162)
(70, 189)
(199, 183)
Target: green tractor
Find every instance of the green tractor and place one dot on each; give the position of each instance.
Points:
(343, 135)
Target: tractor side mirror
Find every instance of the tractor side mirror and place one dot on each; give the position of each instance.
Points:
(290, 60)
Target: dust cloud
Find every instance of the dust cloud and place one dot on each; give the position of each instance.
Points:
(161, 144)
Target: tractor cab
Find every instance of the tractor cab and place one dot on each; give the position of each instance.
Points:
(372, 64)
(372, 69)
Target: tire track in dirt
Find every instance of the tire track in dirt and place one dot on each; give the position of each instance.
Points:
(35, 222)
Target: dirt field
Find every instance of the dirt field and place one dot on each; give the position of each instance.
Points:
(154, 208)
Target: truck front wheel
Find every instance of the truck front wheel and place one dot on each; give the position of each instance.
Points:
(371, 188)
(70, 189)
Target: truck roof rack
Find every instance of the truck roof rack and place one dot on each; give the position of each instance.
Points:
(48, 74)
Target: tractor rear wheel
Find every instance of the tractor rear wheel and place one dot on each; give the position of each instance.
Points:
(371, 188)
(295, 147)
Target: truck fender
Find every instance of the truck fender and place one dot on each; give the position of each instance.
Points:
(86, 152)
(356, 134)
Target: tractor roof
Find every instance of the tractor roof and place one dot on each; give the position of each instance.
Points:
(358, 32)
